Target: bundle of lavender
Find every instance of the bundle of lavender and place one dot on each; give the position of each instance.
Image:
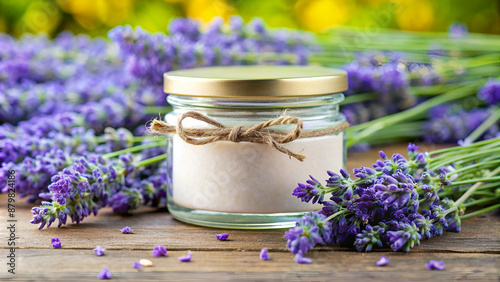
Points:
(400, 201)
(71, 115)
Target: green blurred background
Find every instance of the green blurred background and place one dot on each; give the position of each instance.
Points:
(96, 17)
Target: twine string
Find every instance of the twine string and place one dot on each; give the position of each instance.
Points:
(258, 133)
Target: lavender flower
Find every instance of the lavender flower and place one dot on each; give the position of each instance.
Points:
(126, 230)
(186, 46)
(405, 237)
(83, 188)
(393, 84)
(313, 190)
(371, 236)
(394, 204)
(222, 236)
(184, 27)
(35, 173)
(360, 78)
(310, 230)
(186, 258)
(435, 265)
(99, 251)
(264, 254)
(159, 251)
(457, 30)
(125, 200)
(104, 274)
(457, 124)
(56, 242)
(299, 258)
(137, 265)
(424, 75)
(383, 261)
(490, 92)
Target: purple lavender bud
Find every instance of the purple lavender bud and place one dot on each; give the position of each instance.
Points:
(392, 81)
(348, 194)
(360, 78)
(186, 27)
(383, 261)
(435, 265)
(490, 92)
(159, 250)
(104, 274)
(264, 254)
(56, 242)
(344, 173)
(99, 251)
(137, 265)
(126, 230)
(368, 238)
(334, 178)
(299, 258)
(421, 160)
(412, 148)
(406, 236)
(236, 23)
(360, 175)
(310, 230)
(457, 124)
(186, 258)
(382, 155)
(457, 30)
(389, 179)
(222, 236)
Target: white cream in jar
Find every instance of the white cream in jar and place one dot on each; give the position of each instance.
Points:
(244, 184)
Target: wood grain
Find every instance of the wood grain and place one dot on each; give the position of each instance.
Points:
(473, 253)
(152, 226)
(216, 265)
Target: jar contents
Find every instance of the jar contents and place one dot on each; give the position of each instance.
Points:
(247, 177)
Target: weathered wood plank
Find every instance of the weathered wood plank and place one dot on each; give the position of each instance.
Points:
(151, 227)
(62, 264)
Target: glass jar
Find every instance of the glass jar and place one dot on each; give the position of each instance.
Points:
(245, 184)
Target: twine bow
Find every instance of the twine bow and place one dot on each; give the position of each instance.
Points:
(256, 134)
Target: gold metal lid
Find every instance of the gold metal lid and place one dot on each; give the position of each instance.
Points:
(255, 81)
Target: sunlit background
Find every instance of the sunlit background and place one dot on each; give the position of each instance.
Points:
(96, 17)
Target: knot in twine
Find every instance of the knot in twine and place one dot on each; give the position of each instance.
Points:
(255, 134)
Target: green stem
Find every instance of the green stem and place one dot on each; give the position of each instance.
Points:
(480, 211)
(336, 214)
(487, 186)
(358, 132)
(495, 116)
(483, 194)
(359, 98)
(135, 149)
(436, 89)
(461, 157)
(157, 109)
(469, 167)
(135, 139)
(457, 148)
(476, 180)
(469, 192)
(151, 160)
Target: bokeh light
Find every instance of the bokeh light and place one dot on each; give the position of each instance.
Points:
(99, 16)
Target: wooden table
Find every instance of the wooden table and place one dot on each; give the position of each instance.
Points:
(473, 253)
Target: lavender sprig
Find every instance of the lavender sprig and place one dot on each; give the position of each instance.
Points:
(397, 203)
(84, 188)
